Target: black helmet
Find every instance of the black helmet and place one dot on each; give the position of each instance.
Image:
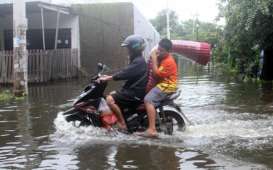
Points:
(135, 43)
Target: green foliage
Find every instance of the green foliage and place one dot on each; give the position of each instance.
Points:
(191, 29)
(248, 30)
(5, 95)
(160, 22)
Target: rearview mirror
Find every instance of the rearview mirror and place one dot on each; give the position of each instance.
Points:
(100, 67)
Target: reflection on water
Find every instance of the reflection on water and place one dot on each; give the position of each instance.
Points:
(125, 156)
(231, 128)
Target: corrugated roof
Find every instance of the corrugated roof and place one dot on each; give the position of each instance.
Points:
(10, 1)
(32, 7)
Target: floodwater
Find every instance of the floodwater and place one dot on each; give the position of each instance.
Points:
(231, 128)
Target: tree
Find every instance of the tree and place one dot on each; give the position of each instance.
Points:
(160, 22)
(249, 30)
(183, 30)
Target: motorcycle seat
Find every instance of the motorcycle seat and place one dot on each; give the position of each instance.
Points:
(167, 101)
(141, 107)
(175, 95)
(171, 98)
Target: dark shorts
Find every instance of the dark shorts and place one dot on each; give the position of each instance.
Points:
(125, 99)
(156, 96)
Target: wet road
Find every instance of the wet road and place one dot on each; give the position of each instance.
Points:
(231, 128)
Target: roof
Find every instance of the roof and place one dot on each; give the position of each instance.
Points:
(34, 7)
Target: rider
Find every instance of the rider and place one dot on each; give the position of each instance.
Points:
(133, 91)
(164, 70)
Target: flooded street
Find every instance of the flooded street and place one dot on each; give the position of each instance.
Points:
(231, 128)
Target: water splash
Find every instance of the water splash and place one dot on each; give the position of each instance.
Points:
(204, 131)
(66, 133)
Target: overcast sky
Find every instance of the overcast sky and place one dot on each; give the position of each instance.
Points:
(206, 10)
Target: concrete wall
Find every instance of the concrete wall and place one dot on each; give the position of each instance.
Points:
(103, 26)
(144, 28)
(102, 29)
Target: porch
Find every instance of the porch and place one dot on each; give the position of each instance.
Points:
(52, 42)
(43, 65)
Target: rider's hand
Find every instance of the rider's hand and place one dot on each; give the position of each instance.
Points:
(112, 92)
(104, 78)
(155, 57)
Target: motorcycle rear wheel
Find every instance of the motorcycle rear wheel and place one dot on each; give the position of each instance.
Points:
(173, 121)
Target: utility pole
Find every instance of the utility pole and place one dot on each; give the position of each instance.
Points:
(20, 56)
(197, 29)
(168, 20)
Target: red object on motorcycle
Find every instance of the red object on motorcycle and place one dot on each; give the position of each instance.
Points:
(79, 105)
(199, 52)
(141, 108)
(85, 108)
(108, 120)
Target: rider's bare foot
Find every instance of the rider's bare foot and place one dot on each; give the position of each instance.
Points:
(151, 132)
(122, 126)
(148, 133)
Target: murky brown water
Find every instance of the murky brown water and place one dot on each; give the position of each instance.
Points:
(232, 128)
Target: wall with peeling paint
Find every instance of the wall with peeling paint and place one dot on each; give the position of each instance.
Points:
(103, 26)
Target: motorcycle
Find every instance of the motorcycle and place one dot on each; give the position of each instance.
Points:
(90, 108)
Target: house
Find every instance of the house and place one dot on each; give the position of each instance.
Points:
(52, 42)
(64, 39)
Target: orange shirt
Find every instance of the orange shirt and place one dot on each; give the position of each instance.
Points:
(167, 73)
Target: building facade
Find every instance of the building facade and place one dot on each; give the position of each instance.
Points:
(94, 31)
(103, 26)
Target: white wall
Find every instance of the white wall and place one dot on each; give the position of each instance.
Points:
(144, 28)
(75, 37)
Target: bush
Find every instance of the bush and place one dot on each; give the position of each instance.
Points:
(5, 95)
